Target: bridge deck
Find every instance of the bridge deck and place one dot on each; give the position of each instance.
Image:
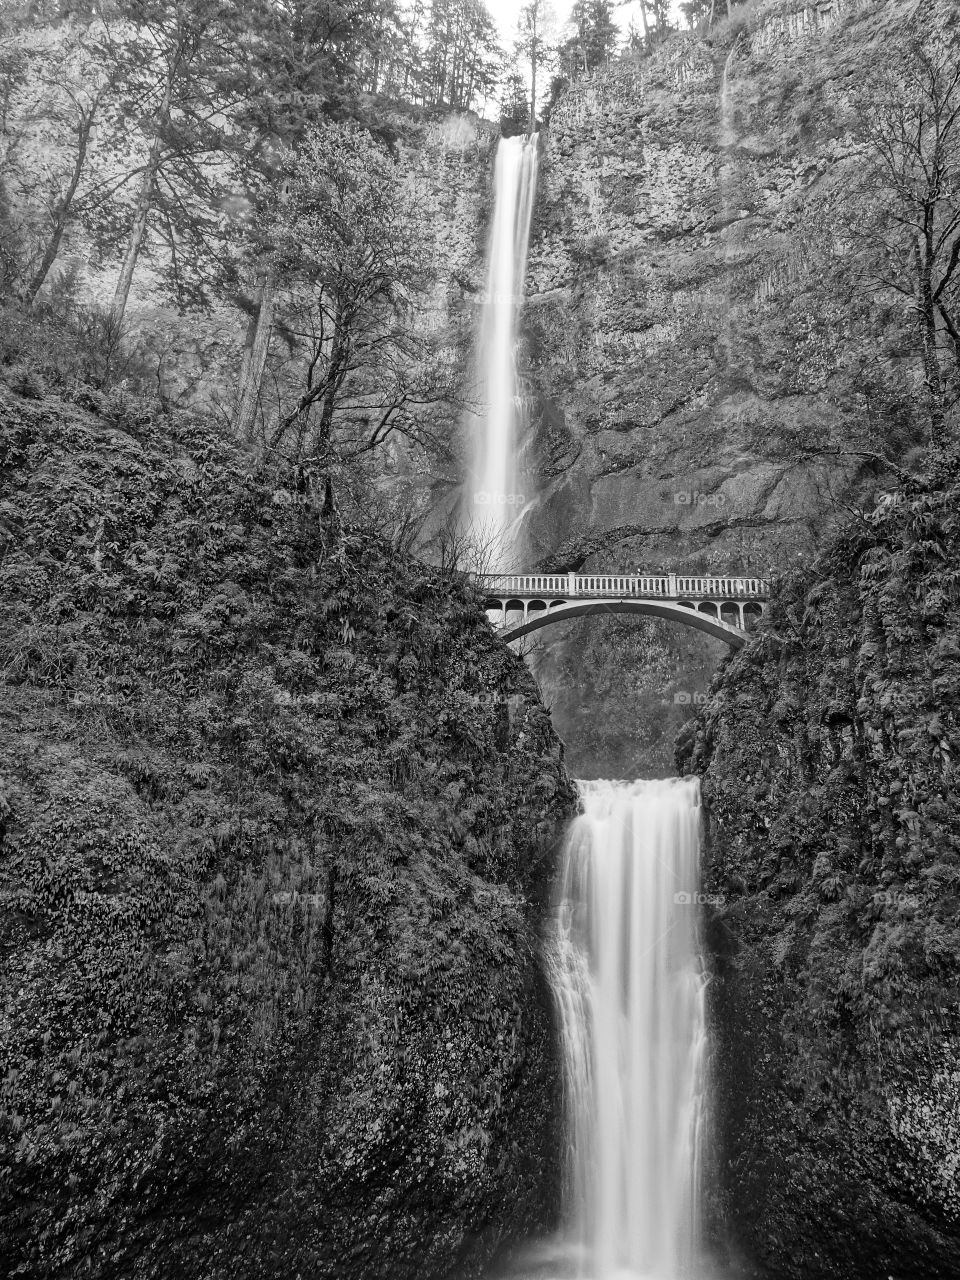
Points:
(670, 586)
(722, 606)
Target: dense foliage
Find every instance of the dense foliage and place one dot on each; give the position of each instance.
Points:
(276, 808)
(144, 145)
(147, 147)
(828, 752)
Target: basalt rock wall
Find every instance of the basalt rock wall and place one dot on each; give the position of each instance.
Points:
(703, 361)
(827, 751)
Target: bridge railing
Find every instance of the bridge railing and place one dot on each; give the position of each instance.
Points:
(619, 586)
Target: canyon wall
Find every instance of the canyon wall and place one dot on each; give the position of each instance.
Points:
(704, 359)
(278, 819)
(827, 751)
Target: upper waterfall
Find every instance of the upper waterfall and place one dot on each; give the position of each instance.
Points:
(493, 491)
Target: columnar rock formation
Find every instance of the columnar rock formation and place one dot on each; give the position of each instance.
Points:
(827, 755)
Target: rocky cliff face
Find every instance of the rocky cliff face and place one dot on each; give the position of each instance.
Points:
(277, 813)
(828, 753)
(702, 355)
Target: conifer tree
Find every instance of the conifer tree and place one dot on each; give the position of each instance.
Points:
(171, 59)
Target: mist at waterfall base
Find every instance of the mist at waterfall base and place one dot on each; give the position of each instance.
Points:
(624, 965)
(494, 495)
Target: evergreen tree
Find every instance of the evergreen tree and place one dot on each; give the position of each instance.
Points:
(594, 38)
(305, 60)
(462, 53)
(697, 12)
(171, 59)
(536, 19)
(514, 105)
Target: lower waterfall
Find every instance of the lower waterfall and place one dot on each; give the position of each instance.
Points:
(630, 990)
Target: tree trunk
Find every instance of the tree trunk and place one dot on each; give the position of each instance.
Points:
(255, 356)
(144, 199)
(62, 215)
(334, 380)
(144, 202)
(952, 329)
(336, 375)
(325, 393)
(927, 321)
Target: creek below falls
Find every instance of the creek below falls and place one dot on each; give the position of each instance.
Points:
(627, 976)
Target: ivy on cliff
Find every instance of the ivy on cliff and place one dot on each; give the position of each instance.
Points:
(275, 808)
(828, 752)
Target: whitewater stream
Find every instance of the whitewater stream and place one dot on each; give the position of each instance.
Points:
(626, 975)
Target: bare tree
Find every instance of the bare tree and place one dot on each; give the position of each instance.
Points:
(909, 120)
(464, 546)
(355, 261)
(79, 89)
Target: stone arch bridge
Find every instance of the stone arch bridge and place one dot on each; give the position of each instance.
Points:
(724, 607)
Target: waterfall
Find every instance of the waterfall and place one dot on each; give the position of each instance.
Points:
(630, 994)
(494, 493)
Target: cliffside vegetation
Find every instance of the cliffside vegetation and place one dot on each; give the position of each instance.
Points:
(276, 813)
(828, 752)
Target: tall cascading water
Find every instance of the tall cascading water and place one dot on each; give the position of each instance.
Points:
(630, 991)
(493, 493)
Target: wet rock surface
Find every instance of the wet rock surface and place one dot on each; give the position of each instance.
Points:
(827, 753)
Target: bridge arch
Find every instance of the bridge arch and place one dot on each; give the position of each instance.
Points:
(674, 611)
(721, 606)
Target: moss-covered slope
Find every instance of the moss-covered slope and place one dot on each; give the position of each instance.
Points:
(276, 815)
(828, 751)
